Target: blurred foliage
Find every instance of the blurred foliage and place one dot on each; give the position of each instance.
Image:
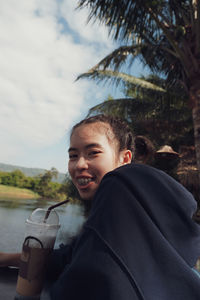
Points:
(41, 184)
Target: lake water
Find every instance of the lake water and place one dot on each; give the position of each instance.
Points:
(14, 212)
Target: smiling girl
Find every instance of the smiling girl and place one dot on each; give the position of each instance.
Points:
(95, 150)
(139, 242)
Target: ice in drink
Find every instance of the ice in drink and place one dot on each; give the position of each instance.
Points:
(41, 230)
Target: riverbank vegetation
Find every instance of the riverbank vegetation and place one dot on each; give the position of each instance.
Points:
(16, 184)
(15, 192)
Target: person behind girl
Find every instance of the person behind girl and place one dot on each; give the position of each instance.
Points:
(139, 241)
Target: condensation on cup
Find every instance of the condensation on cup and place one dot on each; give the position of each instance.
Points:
(40, 236)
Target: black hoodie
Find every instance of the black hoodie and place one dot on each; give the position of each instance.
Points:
(139, 242)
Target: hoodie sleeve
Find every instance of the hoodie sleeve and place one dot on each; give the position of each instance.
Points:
(58, 259)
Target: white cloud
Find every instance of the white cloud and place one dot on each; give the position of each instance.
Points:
(38, 65)
(91, 31)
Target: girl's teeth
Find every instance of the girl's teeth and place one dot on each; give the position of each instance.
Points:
(84, 181)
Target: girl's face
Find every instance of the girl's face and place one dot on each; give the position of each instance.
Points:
(93, 153)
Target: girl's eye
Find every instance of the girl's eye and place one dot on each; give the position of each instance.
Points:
(73, 156)
(95, 152)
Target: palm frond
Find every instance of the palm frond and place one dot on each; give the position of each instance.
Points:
(150, 117)
(117, 77)
(119, 56)
(127, 16)
(166, 25)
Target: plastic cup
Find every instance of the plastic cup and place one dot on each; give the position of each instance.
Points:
(39, 241)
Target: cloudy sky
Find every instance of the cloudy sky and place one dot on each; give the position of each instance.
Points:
(44, 45)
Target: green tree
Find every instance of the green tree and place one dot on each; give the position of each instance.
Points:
(17, 178)
(5, 178)
(30, 183)
(69, 189)
(163, 34)
(164, 118)
(45, 187)
(14, 178)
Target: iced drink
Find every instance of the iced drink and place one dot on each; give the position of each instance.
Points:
(39, 242)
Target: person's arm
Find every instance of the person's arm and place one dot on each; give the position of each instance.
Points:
(93, 274)
(9, 259)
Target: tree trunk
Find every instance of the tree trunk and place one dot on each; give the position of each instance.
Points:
(195, 98)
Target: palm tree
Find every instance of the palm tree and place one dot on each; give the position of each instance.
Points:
(163, 117)
(165, 35)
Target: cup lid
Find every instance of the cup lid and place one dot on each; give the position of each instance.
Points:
(39, 214)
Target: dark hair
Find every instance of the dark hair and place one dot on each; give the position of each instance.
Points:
(120, 128)
(144, 150)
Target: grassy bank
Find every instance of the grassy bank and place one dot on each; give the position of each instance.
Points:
(14, 192)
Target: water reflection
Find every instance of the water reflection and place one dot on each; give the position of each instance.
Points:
(14, 212)
(28, 204)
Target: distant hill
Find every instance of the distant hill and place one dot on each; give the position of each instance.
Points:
(32, 172)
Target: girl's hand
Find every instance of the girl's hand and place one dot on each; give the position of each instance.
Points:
(9, 259)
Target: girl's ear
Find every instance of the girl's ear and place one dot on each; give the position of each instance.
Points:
(125, 157)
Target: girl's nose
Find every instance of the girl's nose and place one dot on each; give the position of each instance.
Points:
(81, 163)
